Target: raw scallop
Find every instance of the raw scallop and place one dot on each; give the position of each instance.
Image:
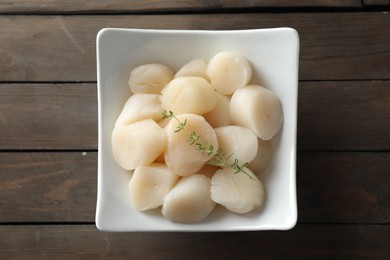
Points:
(184, 159)
(258, 109)
(149, 78)
(188, 95)
(149, 185)
(219, 116)
(139, 107)
(263, 157)
(137, 144)
(195, 68)
(237, 142)
(189, 201)
(229, 71)
(237, 192)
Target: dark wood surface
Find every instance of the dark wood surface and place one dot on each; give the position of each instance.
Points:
(48, 129)
(308, 241)
(350, 45)
(120, 6)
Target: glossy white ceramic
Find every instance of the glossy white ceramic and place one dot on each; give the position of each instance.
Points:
(273, 54)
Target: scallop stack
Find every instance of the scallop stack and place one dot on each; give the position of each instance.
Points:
(216, 104)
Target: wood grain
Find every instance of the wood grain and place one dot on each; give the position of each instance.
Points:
(61, 187)
(335, 115)
(334, 46)
(304, 241)
(47, 187)
(349, 115)
(48, 116)
(343, 187)
(48, 129)
(376, 3)
(120, 6)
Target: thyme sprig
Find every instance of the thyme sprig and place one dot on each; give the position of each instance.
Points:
(218, 158)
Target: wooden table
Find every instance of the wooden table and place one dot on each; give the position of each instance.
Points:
(48, 128)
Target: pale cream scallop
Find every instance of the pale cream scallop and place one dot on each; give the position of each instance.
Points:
(184, 159)
(258, 109)
(139, 107)
(189, 200)
(237, 142)
(138, 143)
(219, 116)
(149, 78)
(229, 71)
(237, 192)
(149, 185)
(188, 95)
(195, 68)
(263, 157)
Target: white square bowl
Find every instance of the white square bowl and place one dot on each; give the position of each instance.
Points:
(273, 54)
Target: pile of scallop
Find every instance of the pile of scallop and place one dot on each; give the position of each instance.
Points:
(197, 138)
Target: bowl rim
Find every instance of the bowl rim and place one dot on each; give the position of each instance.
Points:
(292, 177)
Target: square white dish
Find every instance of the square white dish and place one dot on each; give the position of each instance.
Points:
(273, 54)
